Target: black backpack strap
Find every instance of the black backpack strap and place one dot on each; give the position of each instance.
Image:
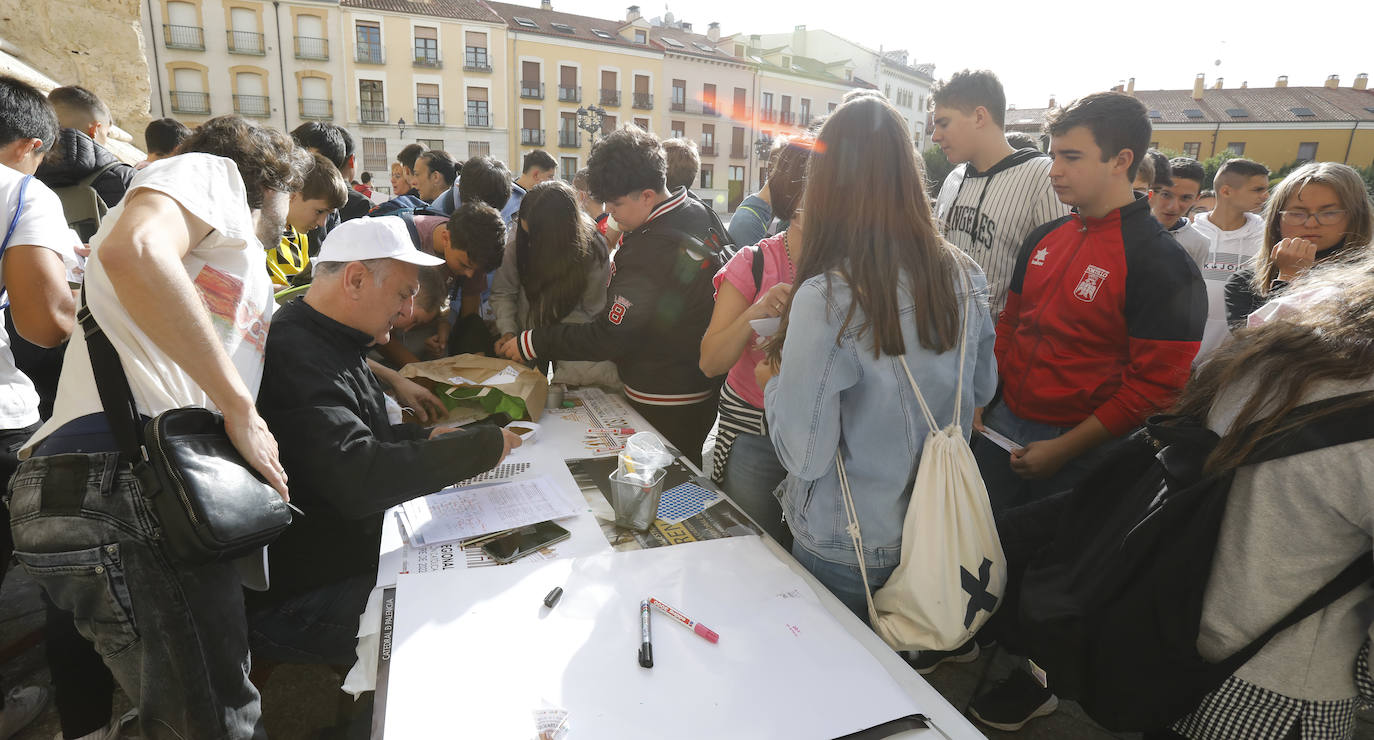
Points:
(1348, 425)
(89, 180)
(758, 269)
(121, 412)
(409, 218)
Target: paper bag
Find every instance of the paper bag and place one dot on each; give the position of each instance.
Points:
(474, 387)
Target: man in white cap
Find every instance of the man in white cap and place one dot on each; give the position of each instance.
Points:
(347, 463)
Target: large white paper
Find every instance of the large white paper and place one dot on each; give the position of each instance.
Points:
(476, 652)
(459, 513)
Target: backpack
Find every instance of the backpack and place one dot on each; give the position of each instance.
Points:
(1112, 607)
(82, 205)
(953, 572)
(398, 204)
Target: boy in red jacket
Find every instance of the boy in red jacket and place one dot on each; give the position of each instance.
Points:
(1104, 315)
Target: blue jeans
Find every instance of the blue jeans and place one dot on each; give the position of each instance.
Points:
(752, 473)
(1006, 489)
(319, 626)
(173, 635)
(842, 579)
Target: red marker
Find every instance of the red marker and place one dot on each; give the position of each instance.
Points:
(706, 632)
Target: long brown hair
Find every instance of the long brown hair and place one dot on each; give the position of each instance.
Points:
(1349, 187)
(556, 253)
(867, 219)
(1331, 339)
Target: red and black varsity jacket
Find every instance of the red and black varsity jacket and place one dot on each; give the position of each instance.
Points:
(1103, 318)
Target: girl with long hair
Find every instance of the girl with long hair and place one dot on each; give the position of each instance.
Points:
(1291, 523)
(754, 286)
(1319, 211)
(876, 284)
(555, 271)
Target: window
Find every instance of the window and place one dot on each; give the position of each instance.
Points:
(601, 34)
(249, 99)
(369, 35)
(426, 46)
(182, 30)
(739, 50)
(435, 144)
(1193, 113)
(315, 98)
(244, 37)
(607, 125)
(708, 100)
(563, 28)
(643, 99)
(642, 123)
(479, 114)
(567, 130)
(1155, 114)
(679, 102)
(1303, 112)
(479, 149)
(641, 36)
(887, 91)
(1307, 151)
(735, 186)
(371, 103)
(567, 168)
(677, 130)
(310, 40)
(786, 112)
(1236, 148)
(531, 80)
(737, 143)
(674, 43)
(830, 108)
(475, 52)
(188, 92)
(1191, 149)
(741, 107)
(767, 114)
(708, 177)
(568, 90)
(532, 127)
(805, 112)
(427, 111)
(708, 140)
(374, 155)
(1237, 113)
(610, 87)
(525, 22)
(787, 62)
(704, 47)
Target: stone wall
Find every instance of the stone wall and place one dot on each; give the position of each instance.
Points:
(97, 44)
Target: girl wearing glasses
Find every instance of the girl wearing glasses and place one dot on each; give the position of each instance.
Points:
(1320, 210)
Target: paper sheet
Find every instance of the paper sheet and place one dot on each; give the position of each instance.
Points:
(999, 439)
(458, 513)
(784, 667)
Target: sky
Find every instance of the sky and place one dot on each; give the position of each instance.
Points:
(1073, 47)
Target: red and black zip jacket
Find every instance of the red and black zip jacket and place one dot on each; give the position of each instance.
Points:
(1103, 318)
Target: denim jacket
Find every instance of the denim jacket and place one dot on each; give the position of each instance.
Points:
(833, 395)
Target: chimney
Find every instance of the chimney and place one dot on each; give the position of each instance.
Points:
(687, 27)
(1052, 103)
(713, 32)
(546, 4)
(1217, 84)
(1362, 81)
(799, 40)
(1333, 80)
(1244, 84)
(1199, 83)
(1130, 86)
(632, 14)
(755, 40)
(1282, 81)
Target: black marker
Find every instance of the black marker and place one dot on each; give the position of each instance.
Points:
(646, 648)
(553, 597)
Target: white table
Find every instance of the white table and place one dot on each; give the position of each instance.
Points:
(561, 439)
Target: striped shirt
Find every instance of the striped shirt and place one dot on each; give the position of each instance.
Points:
(989, 214)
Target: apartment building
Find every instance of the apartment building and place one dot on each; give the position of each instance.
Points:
(277, 62)
(432, 71)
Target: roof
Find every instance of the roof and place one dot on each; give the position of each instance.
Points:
(803, 66)
(581, 25)
(1025, 119)
(1260, 105)
(468, 10)
(691, 44)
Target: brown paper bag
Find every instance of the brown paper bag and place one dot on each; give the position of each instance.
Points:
(477, 371)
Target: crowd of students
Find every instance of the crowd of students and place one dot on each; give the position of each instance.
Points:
(1087, 285)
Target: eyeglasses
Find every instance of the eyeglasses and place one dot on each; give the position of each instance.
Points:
(1325, 218)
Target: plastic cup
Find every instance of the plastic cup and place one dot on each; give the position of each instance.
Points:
(636, 504)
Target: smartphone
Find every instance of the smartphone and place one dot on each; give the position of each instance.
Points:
(525, 540)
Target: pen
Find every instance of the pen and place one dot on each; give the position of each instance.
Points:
(646, 648)
(706, 632)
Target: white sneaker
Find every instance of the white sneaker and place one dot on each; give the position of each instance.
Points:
(22, 706)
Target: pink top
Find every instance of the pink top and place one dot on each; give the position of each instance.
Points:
(777, 268)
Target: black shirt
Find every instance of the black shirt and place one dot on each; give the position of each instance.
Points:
(345, 462)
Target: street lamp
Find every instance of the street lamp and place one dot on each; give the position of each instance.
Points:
(402, 123)
(589, 119)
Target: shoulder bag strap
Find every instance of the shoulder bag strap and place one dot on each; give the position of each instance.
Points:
(757, 265)
(18, 210)
(116, 398)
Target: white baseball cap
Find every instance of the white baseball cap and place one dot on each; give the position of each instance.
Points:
(384, 237)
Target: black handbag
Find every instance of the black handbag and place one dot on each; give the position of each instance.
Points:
(210, 503)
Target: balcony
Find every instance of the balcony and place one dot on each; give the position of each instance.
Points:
(643, 101)
(531, 137)
(372, 113)
(610, 97)
(768, 115)
(741, 112)
(246, 42)
(432, 116)
(787, 117)
(191, 102)
(317, 109)
(479, 119)
(309, 47)
(678, 106)
(369, 54)
(568, 138)
(569, 94)
(804, 119)
(708, 150)
(694, 107)
(256, 106)
(183, 37)
(531, 90)
(427, 60)
(475, 59)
